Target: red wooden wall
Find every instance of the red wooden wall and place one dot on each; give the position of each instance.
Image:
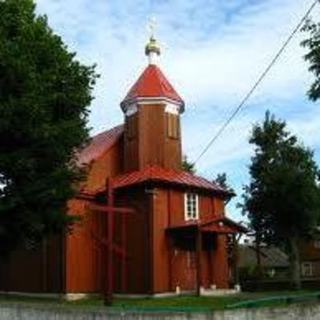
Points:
(84, 259)
(177, 267)
(151, 145)
(37, 271)
(83, 251)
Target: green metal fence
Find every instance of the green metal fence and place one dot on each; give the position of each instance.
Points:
(281, 300)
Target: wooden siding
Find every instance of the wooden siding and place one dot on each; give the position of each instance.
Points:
(86, 251)
(175, 265)
(152, 145)
(209, 206)
(138, 244)
(83, 251)
(35, 271)
(219, 262)
(309, 251)
(161, 249)
(108, 165)
(131, 144)
(155, 263)
(183, 270)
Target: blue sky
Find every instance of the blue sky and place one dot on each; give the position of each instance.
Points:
(213, 51)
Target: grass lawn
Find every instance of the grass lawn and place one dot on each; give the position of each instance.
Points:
(183, 303)
(208, 303)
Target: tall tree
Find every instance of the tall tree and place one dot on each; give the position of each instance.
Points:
(312, 44)
(44, 97)
(282, 200)
(188, 165)
(222, 180)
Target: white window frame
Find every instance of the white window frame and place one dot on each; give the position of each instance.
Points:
(307, 269)
(191, 206)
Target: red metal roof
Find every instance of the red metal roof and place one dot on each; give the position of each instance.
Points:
(152, 83)
(99, 144)
(222, 225)
(218, 224)
(155, 173)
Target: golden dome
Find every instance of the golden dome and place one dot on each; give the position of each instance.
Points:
(152, 46)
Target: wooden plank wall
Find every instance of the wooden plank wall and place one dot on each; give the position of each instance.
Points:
(138, 240)
(36, 271)
(175, 266)
(151, 145)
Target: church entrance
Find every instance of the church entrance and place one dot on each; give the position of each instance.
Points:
(188, 267)
(183, 261)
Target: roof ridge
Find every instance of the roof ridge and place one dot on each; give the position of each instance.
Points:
(119, 126)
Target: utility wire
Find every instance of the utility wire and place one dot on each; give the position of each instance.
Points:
(257, 83)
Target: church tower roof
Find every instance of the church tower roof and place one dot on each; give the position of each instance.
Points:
(152, 83)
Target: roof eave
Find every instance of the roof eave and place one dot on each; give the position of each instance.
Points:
(143, 100)
(176, 184)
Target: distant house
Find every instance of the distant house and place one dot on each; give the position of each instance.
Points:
(274, 262)
(310, 259)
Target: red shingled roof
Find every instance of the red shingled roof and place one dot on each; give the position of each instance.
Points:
(99, 144)
(152, 83)
(155, 173)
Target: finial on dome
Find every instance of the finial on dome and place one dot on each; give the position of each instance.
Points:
(152, 48)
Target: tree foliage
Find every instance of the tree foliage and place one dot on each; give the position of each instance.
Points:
(222, 180)
(44, 98)
(188, 165)
(282, 200)
(312, 44)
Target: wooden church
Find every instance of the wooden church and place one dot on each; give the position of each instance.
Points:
(147, 226)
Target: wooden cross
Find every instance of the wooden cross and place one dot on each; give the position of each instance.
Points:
(108, 244)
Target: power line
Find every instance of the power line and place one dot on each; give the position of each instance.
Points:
(257, 83)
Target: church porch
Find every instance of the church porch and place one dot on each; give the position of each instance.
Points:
(199, 256)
